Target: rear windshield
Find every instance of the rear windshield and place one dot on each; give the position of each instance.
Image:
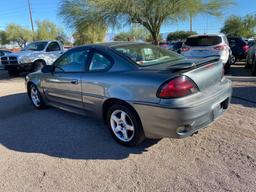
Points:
(203, 41)
(146, 54)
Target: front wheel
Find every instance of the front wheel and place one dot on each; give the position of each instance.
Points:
(36, 97)
(125, 125)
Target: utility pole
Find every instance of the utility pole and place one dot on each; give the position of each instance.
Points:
(31, 18)
(190, 22)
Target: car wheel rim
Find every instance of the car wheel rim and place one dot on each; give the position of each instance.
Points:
(35, 96)
(122, 126)
(233, 59)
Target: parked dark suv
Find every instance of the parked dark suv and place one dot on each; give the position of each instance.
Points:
(239, 48)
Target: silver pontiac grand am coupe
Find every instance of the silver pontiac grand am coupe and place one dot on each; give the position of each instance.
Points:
(139, 90)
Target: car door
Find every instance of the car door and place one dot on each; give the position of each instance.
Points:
(64, 84)
(53, 51)
(94, 80)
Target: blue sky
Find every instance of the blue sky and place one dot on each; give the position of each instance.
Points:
(16, 11)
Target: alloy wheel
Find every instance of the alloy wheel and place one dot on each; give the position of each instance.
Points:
(35, 97)
(122, 125)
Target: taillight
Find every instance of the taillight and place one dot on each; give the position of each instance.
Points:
(178, 87)
(184, 49)
(246, 48)
(219, 47)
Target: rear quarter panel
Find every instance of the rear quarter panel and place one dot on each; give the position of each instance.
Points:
(132, 87)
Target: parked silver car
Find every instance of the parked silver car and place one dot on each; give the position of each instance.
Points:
(201, 46)
(140, 90)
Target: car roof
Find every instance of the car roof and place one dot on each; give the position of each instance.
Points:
(198, 35)
(109, 44)
(119, 43)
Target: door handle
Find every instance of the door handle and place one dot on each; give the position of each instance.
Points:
(74, 81)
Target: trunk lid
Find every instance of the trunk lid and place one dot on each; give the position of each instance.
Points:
(205, 72)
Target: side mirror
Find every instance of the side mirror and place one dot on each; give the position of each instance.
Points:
(48, 69)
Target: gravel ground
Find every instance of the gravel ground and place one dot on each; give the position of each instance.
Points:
(53, 150)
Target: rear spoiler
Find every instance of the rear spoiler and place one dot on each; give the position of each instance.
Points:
(195, 63)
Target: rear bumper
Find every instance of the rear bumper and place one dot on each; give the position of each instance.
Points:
(182, 120)
(18, 67)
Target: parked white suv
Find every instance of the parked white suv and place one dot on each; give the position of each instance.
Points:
(202, 46)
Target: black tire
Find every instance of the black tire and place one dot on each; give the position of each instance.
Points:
(38, 65)
(40, 104)
(137, 136)
(233, 59)
(228, 65)
(247, 64)
(253, 68)
(13, 73)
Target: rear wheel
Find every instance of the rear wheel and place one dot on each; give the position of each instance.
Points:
(233, 59)
(247, 64)
(36, 97)
(253, 69)
(228, 64)
(125, 125)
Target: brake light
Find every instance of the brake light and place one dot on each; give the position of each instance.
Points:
(184, 49)
(178, 87)
(246, 48)
(219, 47)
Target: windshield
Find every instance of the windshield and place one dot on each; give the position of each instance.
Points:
(145, 54)
(36, 46)
(203, 41)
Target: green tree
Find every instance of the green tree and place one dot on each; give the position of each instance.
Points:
(151, 14)
(18, 34)
(241, 27)
(211, 7)
(90, 30)
(179, 35)
(89, 34)
(135, 33)
(3, 38)
(47, 30)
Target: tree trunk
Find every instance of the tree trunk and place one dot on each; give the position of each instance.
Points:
(191, 22)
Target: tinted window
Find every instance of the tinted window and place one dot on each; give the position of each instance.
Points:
(36, 46)
(99, 63)
(236, 42)
(145, 54)
(1, 53)
(54, 46)
(203, 41)
(73, 61)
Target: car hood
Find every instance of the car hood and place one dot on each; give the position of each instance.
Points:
(24, 53)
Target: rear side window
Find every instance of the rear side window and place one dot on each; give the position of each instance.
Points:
(203, 41)
(236, 42)
(54, 46)
(99, 63)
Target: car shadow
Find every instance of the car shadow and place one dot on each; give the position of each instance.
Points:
(245, 96)
(5, 76)
(57, 133)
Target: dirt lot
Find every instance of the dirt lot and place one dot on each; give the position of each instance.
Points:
(53, 150)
